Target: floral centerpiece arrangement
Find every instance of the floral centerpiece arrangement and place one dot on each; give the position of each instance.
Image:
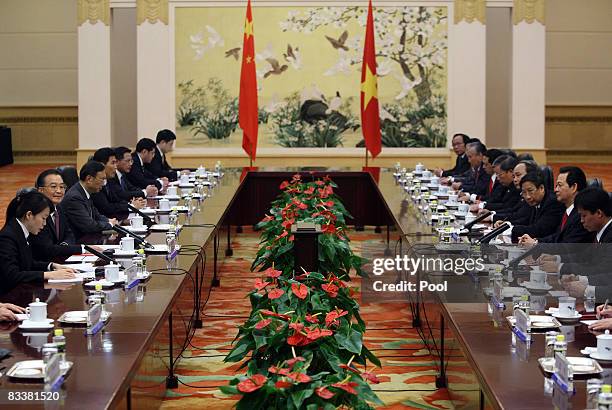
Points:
(304, 334)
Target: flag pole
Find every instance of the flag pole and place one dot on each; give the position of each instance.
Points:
(250, 162)
(366, 156)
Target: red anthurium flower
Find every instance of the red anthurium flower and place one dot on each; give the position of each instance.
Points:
(278, 315)
(302, 205)
(331, 289)
(329, 204)
(329, 190)
(370, 377)
(297, 326)
(252, 384)
(297, 339)
(316, 333)
(319, 182)
(276, 370)
(300, 290)
(347, 387)
(260, 284)
(331, 317)
(297, 177)
(282, 235)
(299, 377)
(291, 238)
(323, 393)
(312, 319)
(263, 323)
(293, 361)
(329, 228)
(322, 193)
(287, 223)
(284, 184)
(309, 191)
(281, 384)
(267, 218)
(275, 293)
(272, 273)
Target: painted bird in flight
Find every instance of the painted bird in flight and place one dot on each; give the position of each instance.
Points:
(276, 67)
(233, 52)
(339, 43)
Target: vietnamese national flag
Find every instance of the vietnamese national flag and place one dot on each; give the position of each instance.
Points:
(370, 117)
(248, 114)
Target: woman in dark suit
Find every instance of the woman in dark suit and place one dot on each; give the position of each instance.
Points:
(26, 215)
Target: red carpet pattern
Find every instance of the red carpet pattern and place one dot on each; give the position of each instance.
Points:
(407, 376)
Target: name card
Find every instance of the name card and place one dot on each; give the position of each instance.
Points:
(131, 279)
(498, 299)
(522, 325)
(94, 324)
(53, 373)
(563, 373)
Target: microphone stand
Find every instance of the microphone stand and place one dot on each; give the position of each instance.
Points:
(133, 235)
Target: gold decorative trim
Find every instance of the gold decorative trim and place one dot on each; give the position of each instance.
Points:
(151, 11)
(46, 120)
(93, 11)
(470, 10)
(528, 11)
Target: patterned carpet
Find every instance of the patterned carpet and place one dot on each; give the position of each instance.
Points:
(408, 373)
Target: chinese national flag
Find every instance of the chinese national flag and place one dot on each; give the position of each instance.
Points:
(247, 102)
(370, 117)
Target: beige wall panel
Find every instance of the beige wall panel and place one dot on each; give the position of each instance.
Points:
(578, 87)
(38, 16)
(574, 15)
(584, 50)
(39, 51)
(38, 87)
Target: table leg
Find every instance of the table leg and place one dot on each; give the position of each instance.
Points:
(171, 379)
(441, 381)
(197, 322)
(215, 281)
(229, 251)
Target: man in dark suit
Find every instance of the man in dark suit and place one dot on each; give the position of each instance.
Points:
(78, 206)
(56, 239)
(570, 181)
(121, 185)
(475, 180)
(506, 196)
(461, 163)
(107, 201)
(546, 211)
(159, 165)
(494, 190)
(595, 209)
(139, 175)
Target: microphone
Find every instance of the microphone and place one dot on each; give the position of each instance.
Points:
(514, 262)
(146, 217)
(133, 235)
(487, 238)
(99, 254)
(469, 225)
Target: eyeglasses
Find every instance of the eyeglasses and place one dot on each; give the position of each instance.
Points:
(56, 187)
(529, 192)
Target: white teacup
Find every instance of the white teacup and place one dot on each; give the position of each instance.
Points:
(111, 272)
(164, 204)
(452, 198)
(419, 167)
(172, 190)
(567, 306)
(427, 174)
(136, 221)
(186, 191)
(604, 345)
(37, 340)
(463, 208)
(435, 181)
(443, 189)
(163, 219)
(184, 179)
(37, 311)
(537, 277)
(127, 243)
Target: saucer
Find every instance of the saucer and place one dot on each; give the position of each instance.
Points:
(536, 287)
(595, 355)
(142, 229)
(119, 253)
(26, 324)
(567, 319)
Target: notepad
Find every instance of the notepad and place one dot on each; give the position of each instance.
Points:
(86, 257)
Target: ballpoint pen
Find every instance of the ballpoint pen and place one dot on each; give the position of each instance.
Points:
(605, 307)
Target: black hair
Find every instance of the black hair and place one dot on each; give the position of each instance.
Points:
(574, 176)
(120, 152)
(90, 169)
(103, 155)
(591, 199)
(464, 137)
(530, 166)
(493, 154)
(30, 201)
(40, 180)
(508, 164)
(478, 146)
(526, 156)
(509, 152)
(145, 144)
(165, 135)
(536, 178)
